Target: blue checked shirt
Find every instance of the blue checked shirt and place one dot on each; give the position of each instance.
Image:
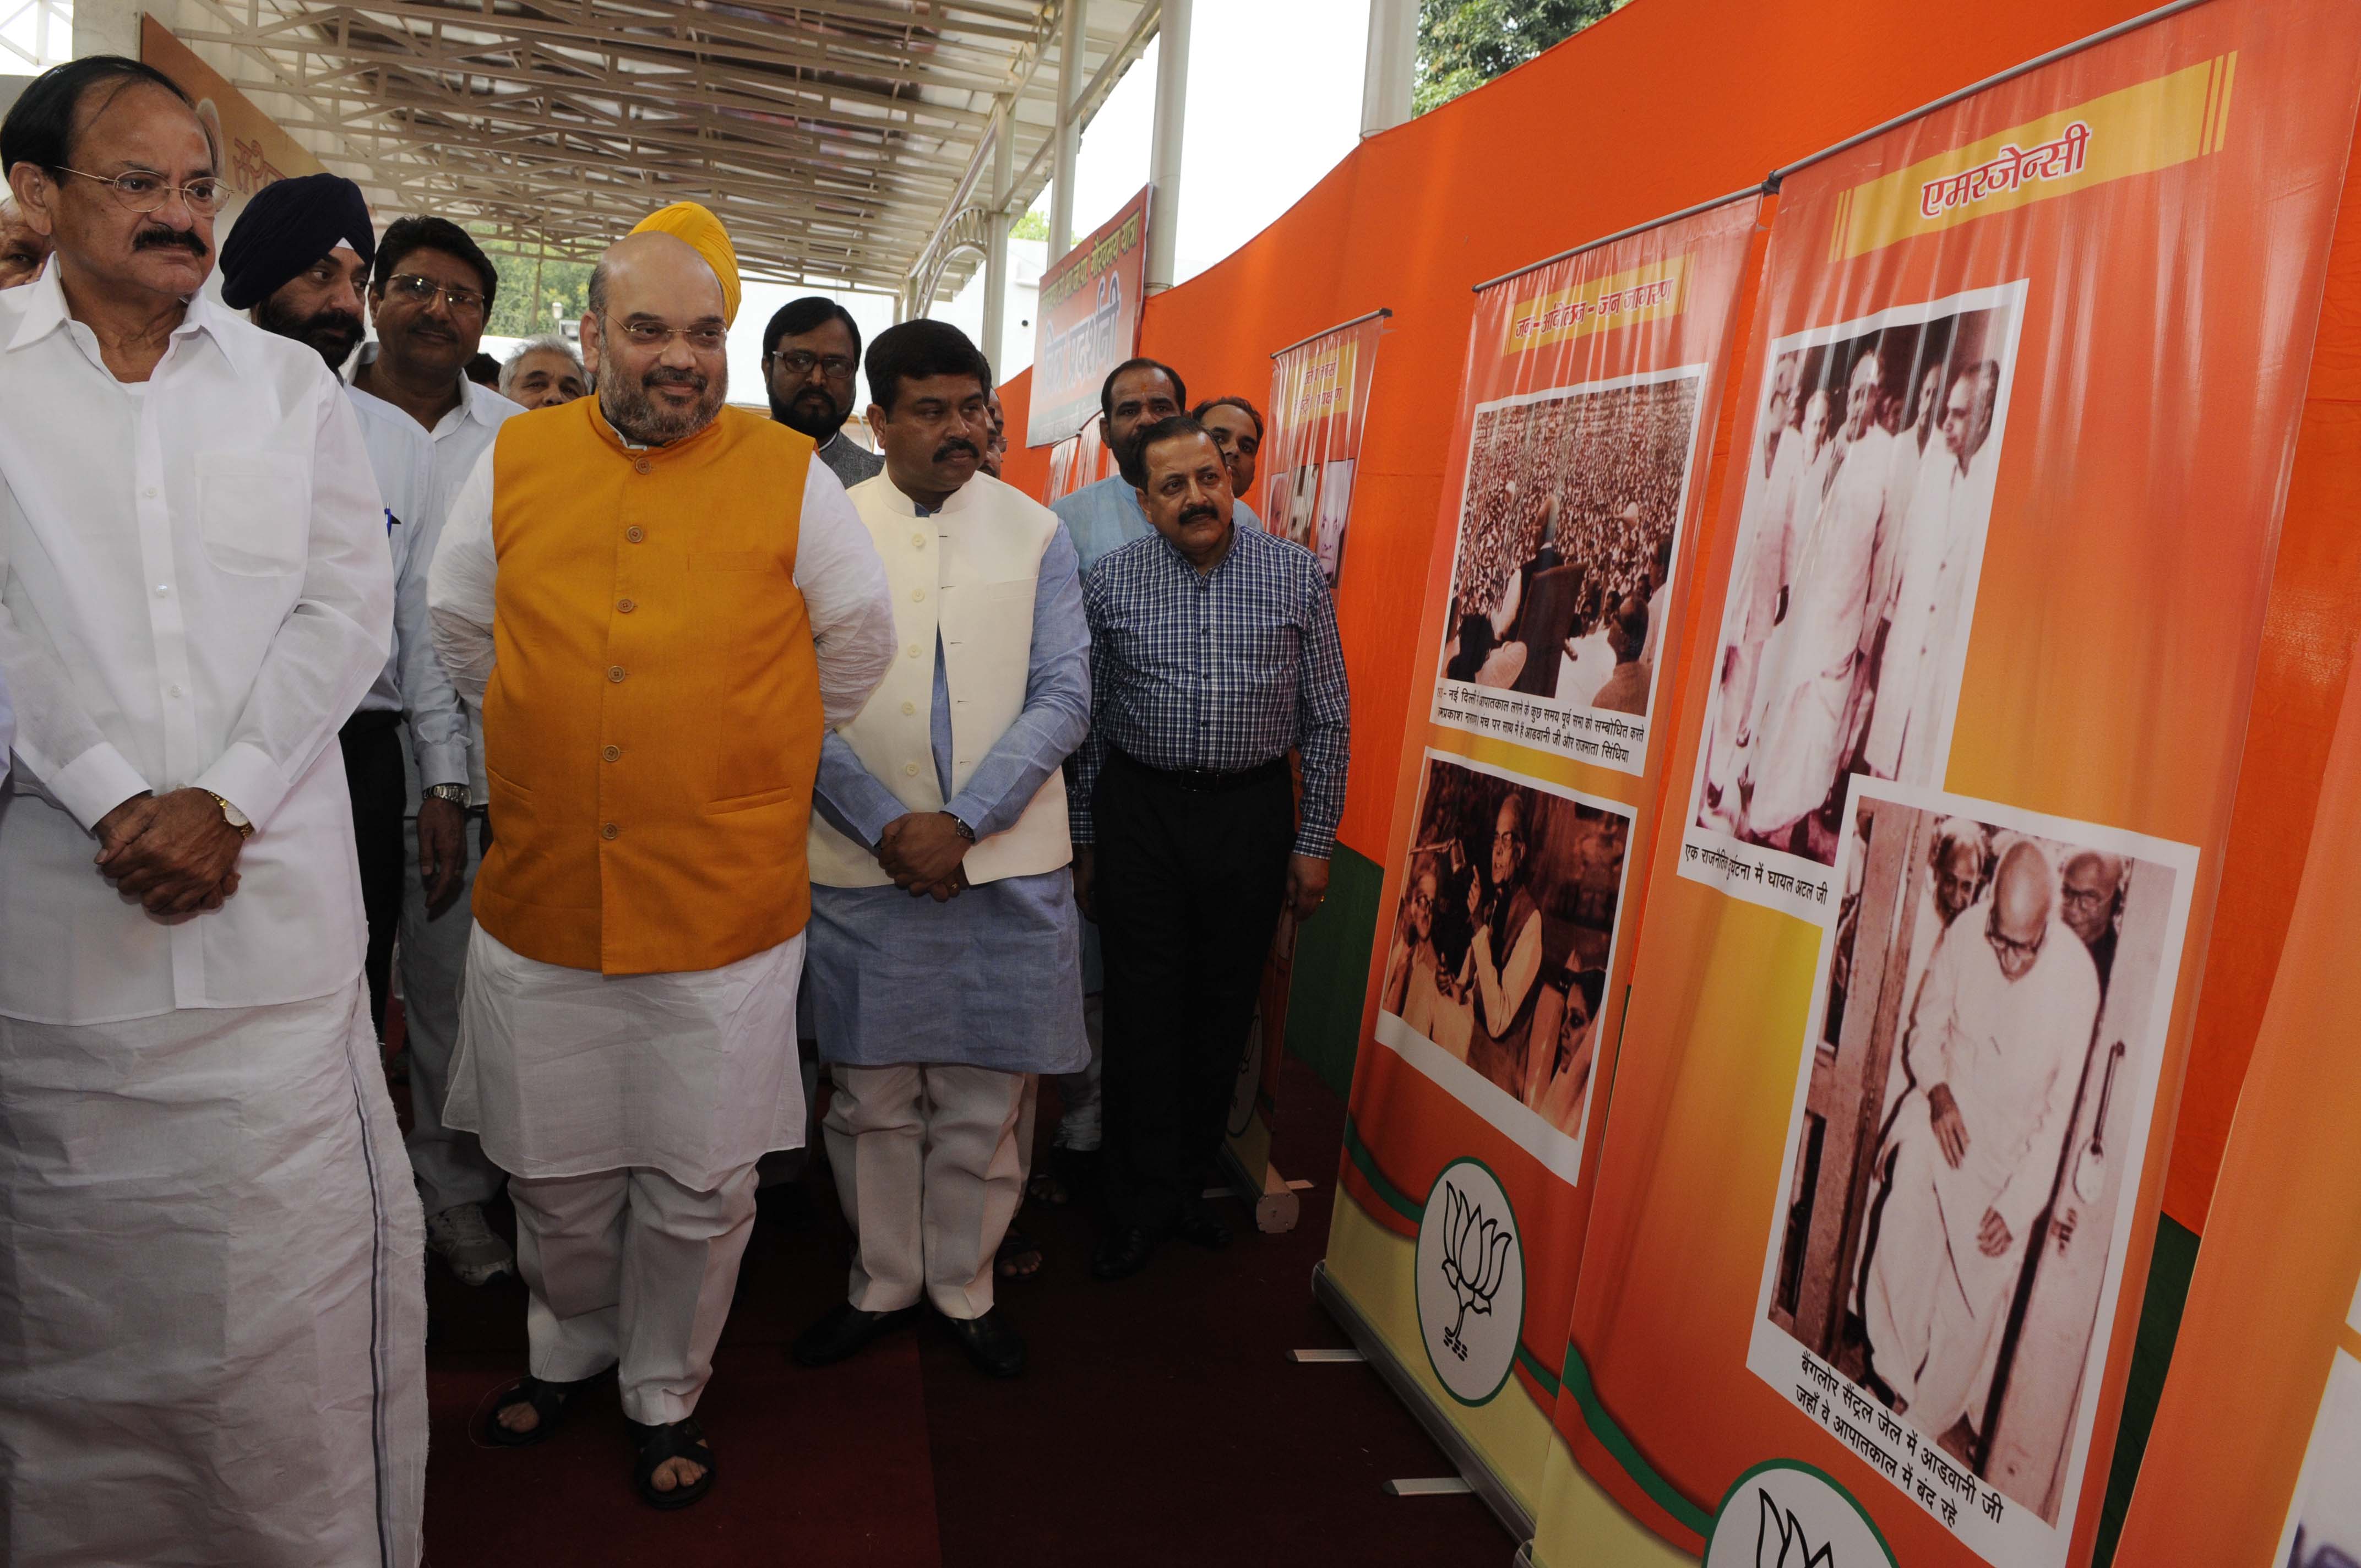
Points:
(1218, 671)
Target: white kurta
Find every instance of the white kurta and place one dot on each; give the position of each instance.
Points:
(2011, 1054)
(1803, 691)
(1921, 585)
(565, 1072)
(211, 1307)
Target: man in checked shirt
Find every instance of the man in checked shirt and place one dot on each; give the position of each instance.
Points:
(1213, 653)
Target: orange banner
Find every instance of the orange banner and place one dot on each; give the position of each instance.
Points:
(1319, 406)
(1954, 774)
(1506, 921)
(1088, 323)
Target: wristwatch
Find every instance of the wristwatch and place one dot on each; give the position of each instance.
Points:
(960, 828)
(457, 794)
(233, 817)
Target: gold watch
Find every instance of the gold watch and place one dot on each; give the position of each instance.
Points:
(233, 817)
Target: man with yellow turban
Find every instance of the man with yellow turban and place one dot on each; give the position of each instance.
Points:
(658, 631)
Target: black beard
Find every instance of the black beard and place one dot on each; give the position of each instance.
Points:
(795, 419)
(332, 334)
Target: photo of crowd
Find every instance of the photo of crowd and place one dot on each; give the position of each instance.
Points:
(1969, 1126)
(1501, 944)
(1850, 599)
(1567, 530)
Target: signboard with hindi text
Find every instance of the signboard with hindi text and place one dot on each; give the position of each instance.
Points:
(1088, 323)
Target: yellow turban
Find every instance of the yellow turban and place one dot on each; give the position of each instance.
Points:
(703, 233)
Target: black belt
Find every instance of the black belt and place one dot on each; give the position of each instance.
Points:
(1204, 781)
(372, 721)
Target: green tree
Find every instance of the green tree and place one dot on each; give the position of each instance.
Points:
(1465, 43)
(529, 286)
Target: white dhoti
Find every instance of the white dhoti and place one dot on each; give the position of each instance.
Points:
(1935, 1305)
(211, 1305)
(630, 1111)
(929, 1171)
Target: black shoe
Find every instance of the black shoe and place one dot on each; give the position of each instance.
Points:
(1122, 1253)
(1204, 1229)
(997, 1350)
(844, 1332)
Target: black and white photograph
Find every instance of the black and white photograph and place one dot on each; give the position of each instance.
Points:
(1335, 509)
(1302, 494)
(1971, 1114)
(1569, 526)
(1502, 943)
(1869, 494)
(2324, 1527)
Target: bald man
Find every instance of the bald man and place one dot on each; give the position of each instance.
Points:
(24, 250)
(660, 603)
(1998, 1038)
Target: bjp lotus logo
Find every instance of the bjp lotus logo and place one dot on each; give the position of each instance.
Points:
(1786, 1514)
(1476, 1263)
(1470, 1276)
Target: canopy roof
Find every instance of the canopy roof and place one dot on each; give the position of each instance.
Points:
(846, 143)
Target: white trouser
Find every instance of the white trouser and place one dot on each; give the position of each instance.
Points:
(212, 1312)
(926, 1166)
(1077, 1128)
(630, 1266)
(433, 957)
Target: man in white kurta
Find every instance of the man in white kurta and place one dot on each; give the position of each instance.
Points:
(655, 667)
(1803, 699)
(1949, 510)
(946, 948)
(211, 1313)
(1999, 1033)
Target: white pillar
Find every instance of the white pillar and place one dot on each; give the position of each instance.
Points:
(995, 255)
(107, 27)
(1164, 145)
(1071, 83)
(1392, 64)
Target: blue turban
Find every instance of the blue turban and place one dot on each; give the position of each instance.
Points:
(288, 226)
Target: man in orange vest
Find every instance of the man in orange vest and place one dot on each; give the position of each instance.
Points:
(660, 602)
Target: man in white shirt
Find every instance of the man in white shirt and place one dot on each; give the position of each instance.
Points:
(2000, 1032)
(543, 372)
(211, 1339)
(431, 290)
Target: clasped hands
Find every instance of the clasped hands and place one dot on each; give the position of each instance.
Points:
(923, 852)
(176, 853)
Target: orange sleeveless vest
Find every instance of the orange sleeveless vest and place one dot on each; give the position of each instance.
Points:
(653, 725)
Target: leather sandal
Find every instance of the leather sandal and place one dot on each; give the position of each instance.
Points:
(653, 1445)
(550, 1401)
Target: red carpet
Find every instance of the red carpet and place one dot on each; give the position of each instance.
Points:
(1160, 1423)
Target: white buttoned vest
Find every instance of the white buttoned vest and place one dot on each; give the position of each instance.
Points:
(969, 573)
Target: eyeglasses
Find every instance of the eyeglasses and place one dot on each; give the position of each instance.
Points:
(656, 335)
(2086, 898)
(835, 367)
(2009, 947)
(143, 193)
(420, 292)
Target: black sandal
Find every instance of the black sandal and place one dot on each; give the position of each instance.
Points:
(653, 1445)
(549, 1400)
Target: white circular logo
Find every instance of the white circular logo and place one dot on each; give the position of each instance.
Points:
(1242, 1096)
(1788, 1515)
(1471, 1281)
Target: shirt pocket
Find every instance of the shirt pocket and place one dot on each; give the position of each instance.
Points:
(254, 512)
(761, 560)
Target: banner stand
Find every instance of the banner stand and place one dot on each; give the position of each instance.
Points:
(1380, 1354)
(1276, 1206)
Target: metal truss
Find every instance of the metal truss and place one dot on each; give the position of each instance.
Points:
(842, 143)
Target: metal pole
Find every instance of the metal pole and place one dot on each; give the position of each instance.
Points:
(1071, 81)
(995, 255)
(1392, 64)
(1164, 145)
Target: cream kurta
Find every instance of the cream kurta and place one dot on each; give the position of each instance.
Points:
(2012, 1053)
